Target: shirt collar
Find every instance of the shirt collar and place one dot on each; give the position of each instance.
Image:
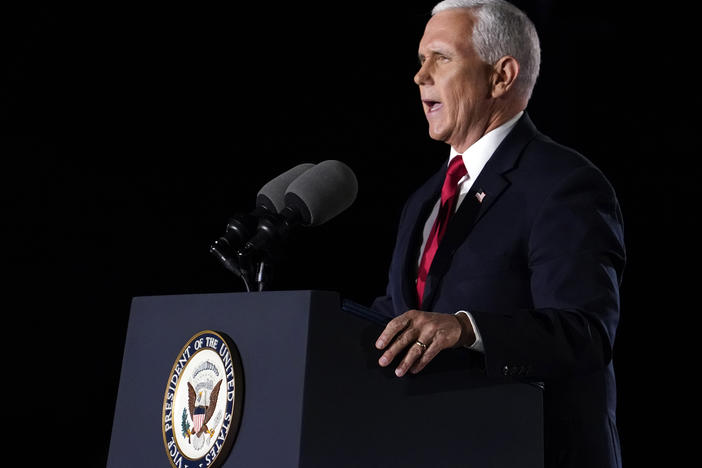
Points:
(478, 154)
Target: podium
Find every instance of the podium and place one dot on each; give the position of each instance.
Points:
(314, 394)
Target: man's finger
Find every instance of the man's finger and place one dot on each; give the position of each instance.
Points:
(405, 338)
(414, 354)
(426, 357)
(441, 340)
(393, 327)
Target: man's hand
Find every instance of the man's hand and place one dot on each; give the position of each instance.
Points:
(437, 331)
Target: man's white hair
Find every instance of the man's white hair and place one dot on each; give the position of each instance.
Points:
(503, 29)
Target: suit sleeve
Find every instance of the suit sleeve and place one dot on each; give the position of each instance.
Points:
(384, 304)
(576, 256)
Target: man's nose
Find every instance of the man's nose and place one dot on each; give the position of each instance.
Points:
(423, 76)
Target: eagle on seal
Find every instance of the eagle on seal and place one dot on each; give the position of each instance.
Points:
(201, 411)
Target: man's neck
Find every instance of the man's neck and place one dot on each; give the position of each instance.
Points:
(496, 120)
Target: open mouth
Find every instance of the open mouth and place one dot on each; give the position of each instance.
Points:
(432, 106)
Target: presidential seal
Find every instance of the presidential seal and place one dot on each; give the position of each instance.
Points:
(203, 402)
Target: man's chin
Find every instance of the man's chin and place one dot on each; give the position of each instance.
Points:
(437, 135)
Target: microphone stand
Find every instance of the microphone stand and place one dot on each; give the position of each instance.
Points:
(252, 271)
(245, 271)
(238, 265)
(252, 262)
(262, 274)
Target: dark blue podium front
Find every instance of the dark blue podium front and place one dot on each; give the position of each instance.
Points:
(314, 394)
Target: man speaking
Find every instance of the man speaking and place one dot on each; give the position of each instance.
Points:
(515, 247)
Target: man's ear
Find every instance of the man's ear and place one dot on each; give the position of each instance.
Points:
(504, 75)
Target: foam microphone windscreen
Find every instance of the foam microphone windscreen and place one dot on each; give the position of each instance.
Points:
(322, 192)
(272, 194)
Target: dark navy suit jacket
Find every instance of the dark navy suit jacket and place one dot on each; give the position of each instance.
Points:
(538, 264)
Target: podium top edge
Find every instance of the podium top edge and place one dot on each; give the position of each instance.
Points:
(292, 292)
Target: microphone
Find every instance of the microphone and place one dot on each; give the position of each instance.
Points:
(272, 195)
(322, 193)
(316, 196)
(269, 201)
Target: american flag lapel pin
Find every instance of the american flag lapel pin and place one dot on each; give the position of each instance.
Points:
(480, 195)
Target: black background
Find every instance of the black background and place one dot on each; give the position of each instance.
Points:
(132, 133)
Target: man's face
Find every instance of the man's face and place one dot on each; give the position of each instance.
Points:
(453, 81)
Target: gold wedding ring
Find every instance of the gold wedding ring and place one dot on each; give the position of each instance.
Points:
(421, 345)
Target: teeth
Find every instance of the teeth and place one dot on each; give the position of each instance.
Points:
(435, 106)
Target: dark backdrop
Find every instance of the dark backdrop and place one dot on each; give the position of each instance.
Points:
(132, 133)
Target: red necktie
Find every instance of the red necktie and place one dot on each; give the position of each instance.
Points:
(449, 197)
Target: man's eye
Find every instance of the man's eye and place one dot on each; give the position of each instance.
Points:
(442, 58)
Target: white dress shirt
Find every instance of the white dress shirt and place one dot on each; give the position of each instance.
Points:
(474, 158)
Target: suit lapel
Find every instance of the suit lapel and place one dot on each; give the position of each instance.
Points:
(493, 181)
(427, 197)
(495, 178)
(458, 229)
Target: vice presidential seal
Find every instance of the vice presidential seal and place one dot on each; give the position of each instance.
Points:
(203, 401)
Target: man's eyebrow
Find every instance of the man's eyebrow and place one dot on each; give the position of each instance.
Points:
(435, 51)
